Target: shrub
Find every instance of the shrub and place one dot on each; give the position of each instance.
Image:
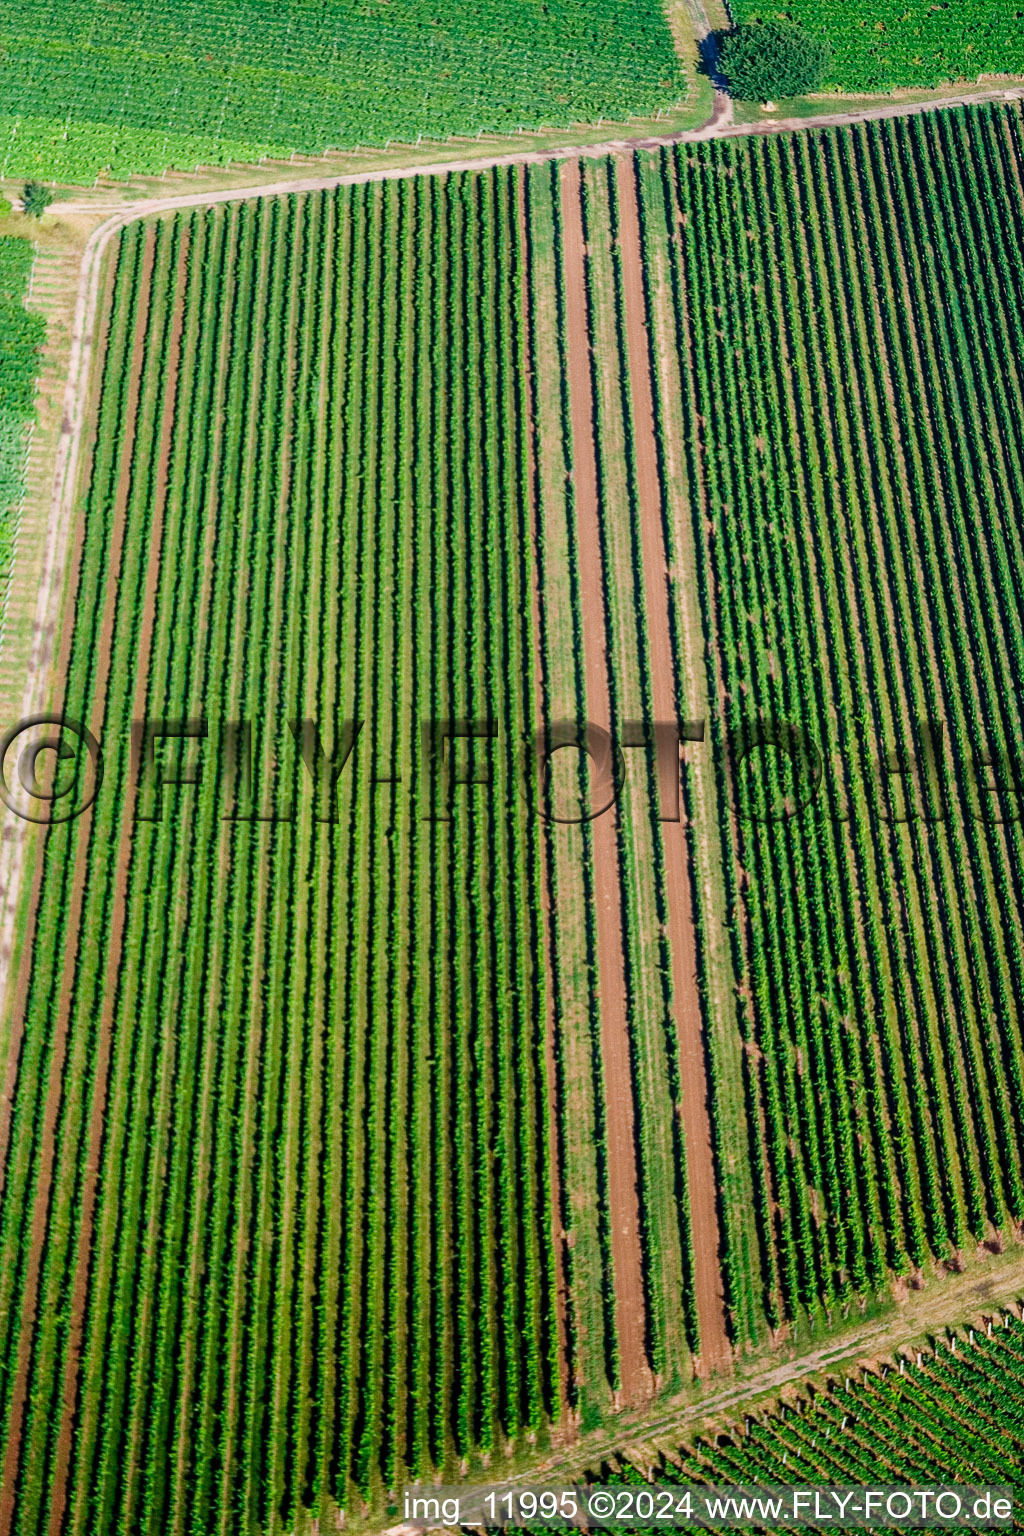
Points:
(769, 59)
(36, 199)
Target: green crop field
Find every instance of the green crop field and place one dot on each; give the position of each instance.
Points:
(879, 44)
(95, 86)
(309, 1163)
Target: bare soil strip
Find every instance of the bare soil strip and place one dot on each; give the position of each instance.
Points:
(557, 1236)
(700, 1169)
(634, 1370)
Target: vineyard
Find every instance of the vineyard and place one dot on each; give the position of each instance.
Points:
(21, 337)
(879, 44)
(951, 1412)
(95, 86)
(369, 1105)
(846, 437)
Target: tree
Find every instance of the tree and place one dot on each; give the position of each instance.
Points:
(36, 199)
(771, 59)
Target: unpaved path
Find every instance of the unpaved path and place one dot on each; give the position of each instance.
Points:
(700, 1168)
(65, 477)
(707, 48)
(718, 126)
(636, 1379)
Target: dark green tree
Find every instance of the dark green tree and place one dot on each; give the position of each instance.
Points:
(36, 199)
(770, 59)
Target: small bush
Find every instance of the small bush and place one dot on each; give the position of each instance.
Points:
(36, 199)
(771, 59)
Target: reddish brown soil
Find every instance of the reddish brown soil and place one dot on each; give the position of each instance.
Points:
(700, 1169)
(634, 1369)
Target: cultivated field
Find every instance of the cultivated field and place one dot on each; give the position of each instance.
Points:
(230, 1014)
(93, 87)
